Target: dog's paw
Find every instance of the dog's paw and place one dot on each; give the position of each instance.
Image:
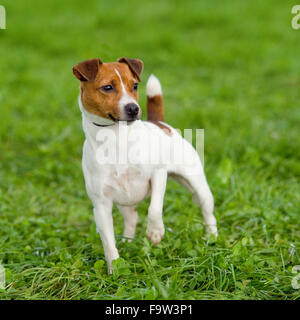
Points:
(155, 233)
(212, 230)
(110, 270)
(126, 239)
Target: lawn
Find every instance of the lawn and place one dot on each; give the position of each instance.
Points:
(231, 68)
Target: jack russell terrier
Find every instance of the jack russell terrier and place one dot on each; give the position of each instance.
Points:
(109, 104)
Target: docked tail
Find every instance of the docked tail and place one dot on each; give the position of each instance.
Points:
(155, 108)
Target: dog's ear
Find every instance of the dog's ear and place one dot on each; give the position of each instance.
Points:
(87, 70)
(135, 65)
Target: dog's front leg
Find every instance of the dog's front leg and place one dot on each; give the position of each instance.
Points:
(155, 229)
(130, 219)
(104, 223)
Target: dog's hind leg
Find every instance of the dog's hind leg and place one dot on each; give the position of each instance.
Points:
(130, 220)
(196, 183)
(155, 229)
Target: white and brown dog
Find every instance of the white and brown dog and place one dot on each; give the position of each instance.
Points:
(108, 98)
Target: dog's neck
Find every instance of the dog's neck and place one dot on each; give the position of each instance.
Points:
(91, 124)
(93, 119)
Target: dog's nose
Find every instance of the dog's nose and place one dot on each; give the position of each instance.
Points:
(132, 109)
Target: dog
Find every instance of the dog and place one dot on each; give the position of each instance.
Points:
(108, 102)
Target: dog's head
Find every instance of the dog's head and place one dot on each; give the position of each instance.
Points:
(110, 90)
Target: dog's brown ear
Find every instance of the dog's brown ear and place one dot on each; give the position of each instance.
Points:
(135, 65)
(87, 70)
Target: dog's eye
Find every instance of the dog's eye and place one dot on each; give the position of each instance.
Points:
(107, 88)
(135, 87)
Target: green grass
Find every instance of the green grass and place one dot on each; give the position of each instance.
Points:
(229, 67)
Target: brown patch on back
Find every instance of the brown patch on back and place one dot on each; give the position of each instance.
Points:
(164, 128)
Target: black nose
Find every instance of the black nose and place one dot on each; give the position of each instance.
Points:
(132, 109)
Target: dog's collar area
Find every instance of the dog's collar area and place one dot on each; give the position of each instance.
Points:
(109, 125)
(102, 125)
(93, 119)
(114, 120)
(106, 125)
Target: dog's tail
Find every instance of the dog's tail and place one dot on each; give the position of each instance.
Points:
(155, 108)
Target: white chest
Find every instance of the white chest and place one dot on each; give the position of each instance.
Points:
(126, 185)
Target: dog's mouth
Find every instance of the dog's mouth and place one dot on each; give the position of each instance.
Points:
(113, 118)
(130, 120)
